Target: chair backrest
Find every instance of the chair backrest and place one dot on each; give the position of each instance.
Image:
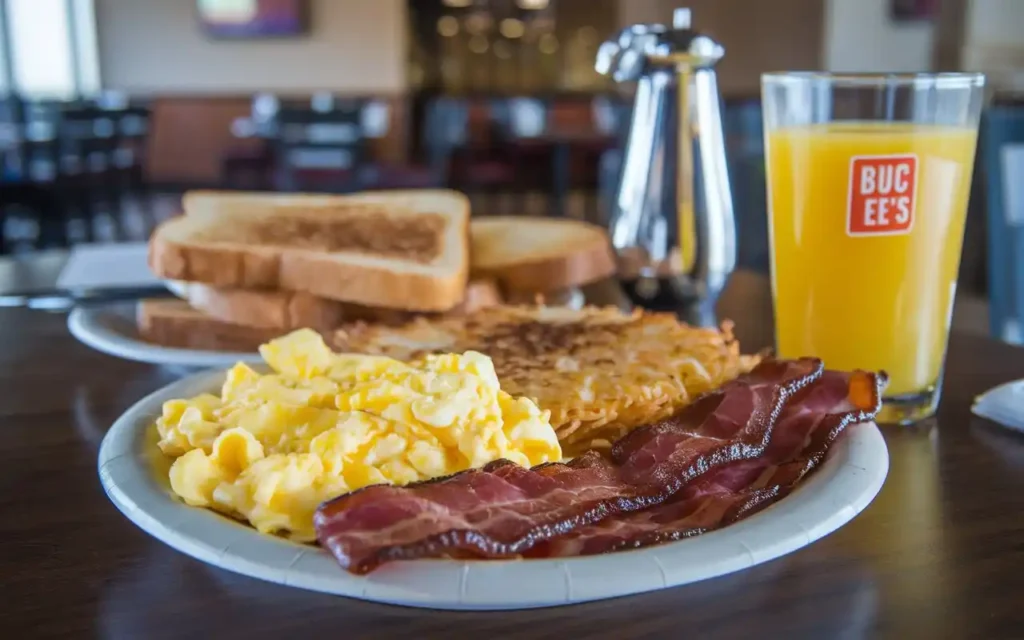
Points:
(445, 128)
(375, 118)
(111, 100)
(133, 121)
(325, 141)
(570, 113)
(88, 123)
(1002, 149)
(309, 133)
(744, 153)
(41, 120)
(265, 107)
(12, 110)
(39, 145)
(89, 139)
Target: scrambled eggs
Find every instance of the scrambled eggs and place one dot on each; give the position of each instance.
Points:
(272, 447)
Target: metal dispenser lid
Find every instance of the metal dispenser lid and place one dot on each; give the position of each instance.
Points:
(642, 46)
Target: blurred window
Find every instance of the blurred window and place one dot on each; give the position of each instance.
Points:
(50, 47)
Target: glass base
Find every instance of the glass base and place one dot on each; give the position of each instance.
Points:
(909, 408)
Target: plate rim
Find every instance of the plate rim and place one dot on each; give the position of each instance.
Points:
(86, 326)
(845, 484)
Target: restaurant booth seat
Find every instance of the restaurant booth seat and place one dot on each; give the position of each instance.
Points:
(744, 155)
(1002, 150)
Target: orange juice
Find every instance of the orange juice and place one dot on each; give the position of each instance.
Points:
(866, 225)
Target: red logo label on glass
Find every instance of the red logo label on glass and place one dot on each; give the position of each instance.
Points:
(883, 194)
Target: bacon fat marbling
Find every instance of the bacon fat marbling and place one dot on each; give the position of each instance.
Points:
(730, 453)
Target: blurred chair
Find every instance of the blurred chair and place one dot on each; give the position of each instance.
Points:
(12, 121)
(519, 125)
(129, 163)
(610, 115)
(249, 164)
(375, 118)
(445, 129)
(29, 203)
(133, 133)
(323, 102)
(39, 138)
(598, 152)
(67, 169)
(319, 150)
(264, 110)
(557, 145)
(92, 170)
(744, 149)
(41, 190)
(525, 118)
(112, 100)
(460, 149)
(612, 118)
(1002, 147)
(378, 120)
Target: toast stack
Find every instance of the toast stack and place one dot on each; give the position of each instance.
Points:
(251, 266)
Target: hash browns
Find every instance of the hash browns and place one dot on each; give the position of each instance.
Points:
(598, 371)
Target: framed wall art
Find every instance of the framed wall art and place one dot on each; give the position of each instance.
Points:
(253, 18)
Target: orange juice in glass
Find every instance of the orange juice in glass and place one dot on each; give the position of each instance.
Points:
(868, 183)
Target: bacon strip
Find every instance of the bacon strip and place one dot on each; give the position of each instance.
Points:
(808, 426)
(503, 510)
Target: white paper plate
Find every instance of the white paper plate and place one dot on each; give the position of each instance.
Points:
(112, 330)
(177, 287)
(841, 488)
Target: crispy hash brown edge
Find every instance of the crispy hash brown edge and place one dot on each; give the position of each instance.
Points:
(580, 429)
(712, 358)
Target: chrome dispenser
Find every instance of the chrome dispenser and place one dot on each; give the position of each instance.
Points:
(672, 218)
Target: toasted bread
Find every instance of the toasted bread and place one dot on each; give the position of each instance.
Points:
(598, 371)
(405, 250)
(173, 323)
(538, 255)
(286, 310)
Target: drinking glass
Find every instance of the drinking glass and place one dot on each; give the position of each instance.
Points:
(868, 181)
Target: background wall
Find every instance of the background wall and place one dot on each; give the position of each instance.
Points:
(860, 35)
(993, 41)
(157, 46)
(770, 36)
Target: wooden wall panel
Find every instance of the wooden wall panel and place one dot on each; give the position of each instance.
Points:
(771, 36)
(190, 135)
(949, 35)
(394, 147)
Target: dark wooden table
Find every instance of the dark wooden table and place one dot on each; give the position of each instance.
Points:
(939, 554)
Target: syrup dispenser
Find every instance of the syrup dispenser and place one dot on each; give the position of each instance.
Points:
(672, 218)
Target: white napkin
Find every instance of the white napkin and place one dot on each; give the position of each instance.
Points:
(1004, 404)
(101, 266)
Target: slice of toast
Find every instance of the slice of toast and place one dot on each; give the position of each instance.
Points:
(539, 255)
(285, 310)
(173, 323)
(406, 250)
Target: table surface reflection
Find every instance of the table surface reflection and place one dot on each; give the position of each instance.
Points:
(940, 553)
